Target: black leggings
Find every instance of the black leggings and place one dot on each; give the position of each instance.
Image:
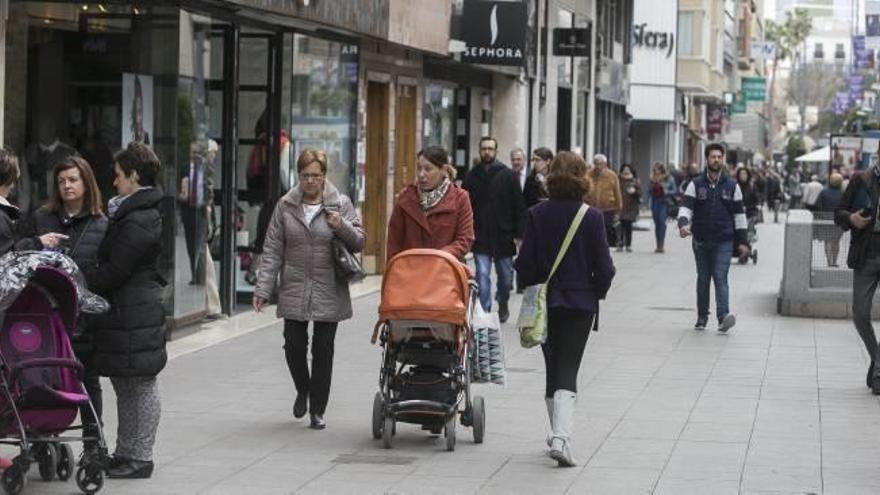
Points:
(296, 344)
(567, 333)
(626, 232)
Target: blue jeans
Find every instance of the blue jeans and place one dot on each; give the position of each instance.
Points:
(658, 211)
(713, 263)
(504, 270)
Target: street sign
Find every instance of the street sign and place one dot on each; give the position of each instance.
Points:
(754, 88)
(738, 106)
(494, 33)
(765, 50)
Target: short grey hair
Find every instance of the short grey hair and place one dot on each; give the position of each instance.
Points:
(517, 150)
(599, 157)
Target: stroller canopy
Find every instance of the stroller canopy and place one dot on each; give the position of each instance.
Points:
(55, 272)
(426, 285)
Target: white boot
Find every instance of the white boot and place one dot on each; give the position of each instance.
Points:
(563, 423)
(549, 402)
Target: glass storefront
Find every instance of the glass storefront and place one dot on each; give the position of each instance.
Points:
(88, 78)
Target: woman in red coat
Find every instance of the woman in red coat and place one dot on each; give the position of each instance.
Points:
(433, 213)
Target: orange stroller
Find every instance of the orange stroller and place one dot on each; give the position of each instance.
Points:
(428, 299)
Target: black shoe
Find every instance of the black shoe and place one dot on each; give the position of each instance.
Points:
(503, 312)
(300, 405)
(317, 422)
(131, 470)
(701, 324)
(869, 380)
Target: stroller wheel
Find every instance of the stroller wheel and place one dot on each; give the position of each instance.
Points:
(89, 479)
(13, 479)
(479, 419)
(387, 432)
(450, 433)
(378, 415)
(755, 257)
(65, 462)
(47, 459)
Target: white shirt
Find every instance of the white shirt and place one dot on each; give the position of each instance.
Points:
(811, 193)
(311, 211)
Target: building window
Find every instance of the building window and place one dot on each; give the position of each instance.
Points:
(438, 114)
(686, 34)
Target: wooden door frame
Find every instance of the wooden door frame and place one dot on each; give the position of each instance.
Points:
(376, 173)
(406, 133)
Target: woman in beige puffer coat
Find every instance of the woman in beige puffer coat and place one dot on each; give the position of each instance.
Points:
(298, 254)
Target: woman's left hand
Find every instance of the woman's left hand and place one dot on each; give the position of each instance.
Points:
(334, 220)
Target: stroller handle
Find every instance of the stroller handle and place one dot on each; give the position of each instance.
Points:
(47, 363)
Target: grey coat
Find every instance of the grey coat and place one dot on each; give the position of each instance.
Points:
(309, 289)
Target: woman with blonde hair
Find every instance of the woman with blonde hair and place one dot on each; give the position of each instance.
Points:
(300, 239)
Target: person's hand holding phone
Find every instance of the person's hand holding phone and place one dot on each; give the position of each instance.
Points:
(334, 219)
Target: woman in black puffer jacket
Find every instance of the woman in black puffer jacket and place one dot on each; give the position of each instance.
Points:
(73, 221)
(130, 340)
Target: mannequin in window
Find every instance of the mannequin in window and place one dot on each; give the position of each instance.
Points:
(193, 196)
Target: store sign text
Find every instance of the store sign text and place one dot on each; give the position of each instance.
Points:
(653, 39)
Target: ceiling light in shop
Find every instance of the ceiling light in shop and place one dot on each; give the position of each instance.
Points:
(102, 8)
(85, 7)
(136, 11)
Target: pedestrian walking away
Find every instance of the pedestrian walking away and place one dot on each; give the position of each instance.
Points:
(583, 278)
(434, 213)
(73, 222)
(129, 342)
(828, 202)
(631, 191)
(604, 193)
(498, 206)
(300, 239)
(713, 213)
(662, 191)
(811, 191)
(858, 214)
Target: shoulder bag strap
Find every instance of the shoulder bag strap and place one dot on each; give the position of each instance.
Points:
(572, 230)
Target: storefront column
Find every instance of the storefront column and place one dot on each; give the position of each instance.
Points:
(229, 180)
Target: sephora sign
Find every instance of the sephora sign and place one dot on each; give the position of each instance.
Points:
(494, 32)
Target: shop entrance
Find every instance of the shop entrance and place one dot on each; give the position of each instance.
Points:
(563, 120)
(405, 137)
(375, 206)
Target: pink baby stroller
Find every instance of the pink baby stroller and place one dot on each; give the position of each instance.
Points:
(41, 387)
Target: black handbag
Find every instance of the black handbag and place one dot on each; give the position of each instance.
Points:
(348, 267)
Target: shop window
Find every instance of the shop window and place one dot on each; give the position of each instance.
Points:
(438, 117)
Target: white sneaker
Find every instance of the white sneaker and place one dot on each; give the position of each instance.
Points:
(727, 323)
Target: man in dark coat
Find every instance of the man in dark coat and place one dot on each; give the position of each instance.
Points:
(499, 210)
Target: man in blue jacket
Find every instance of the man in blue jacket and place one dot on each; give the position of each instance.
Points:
(713, 213)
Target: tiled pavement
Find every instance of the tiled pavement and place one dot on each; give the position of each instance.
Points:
(778, 406)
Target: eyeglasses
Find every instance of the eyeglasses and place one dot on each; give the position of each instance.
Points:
(487, 148)
(311, 177)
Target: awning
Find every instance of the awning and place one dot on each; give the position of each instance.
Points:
(819, 155)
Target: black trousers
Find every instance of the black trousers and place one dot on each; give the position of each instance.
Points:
(567, 333)
(316, 385)
(626, 232)
(92, 382)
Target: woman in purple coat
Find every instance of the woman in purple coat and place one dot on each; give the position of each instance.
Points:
(582, 279)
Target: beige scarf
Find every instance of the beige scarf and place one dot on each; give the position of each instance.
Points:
(429, 199)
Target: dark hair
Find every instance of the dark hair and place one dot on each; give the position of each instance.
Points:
(568, 177)
(92, 199)
(9, 170)
(489, 138)
(310, 156)
(714, 147)
(631, 170)
(140, 158)
(746, 170)
(437, 155)
(544, 154)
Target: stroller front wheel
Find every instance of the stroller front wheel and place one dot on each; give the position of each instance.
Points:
(378, 415)
(46, 455)
(450, 433)
(387, 432)
(13, 479)
(89, 479)
(479, 419)
(65, 462)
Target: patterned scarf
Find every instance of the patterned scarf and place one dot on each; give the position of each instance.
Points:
(429, 199)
